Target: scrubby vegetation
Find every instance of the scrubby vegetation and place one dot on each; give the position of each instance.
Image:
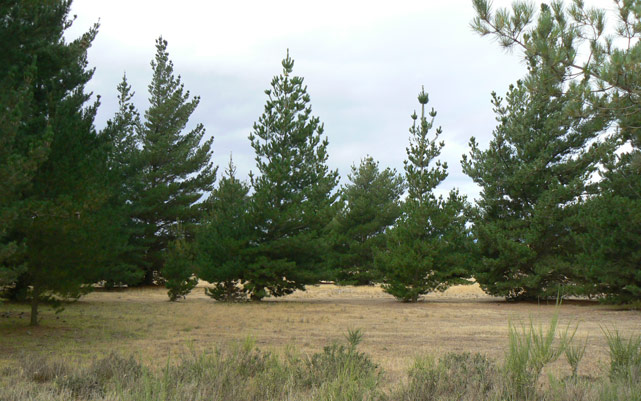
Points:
(339, 372)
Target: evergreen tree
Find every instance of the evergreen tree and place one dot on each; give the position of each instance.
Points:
(179, 268)
(63, 220)
(533, 175)
(176, 167)
(293, 195)
(428, 248)
(124, 163)
(370, 205)
(20, 154)
(224, 238)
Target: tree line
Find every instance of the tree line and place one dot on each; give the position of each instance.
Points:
(137, 201)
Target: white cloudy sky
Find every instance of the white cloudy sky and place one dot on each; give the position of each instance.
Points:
(364, 63)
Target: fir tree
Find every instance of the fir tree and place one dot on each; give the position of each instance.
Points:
(224, 238)
(293, 194)
(428, 248)
(370, 205)
(176, 167)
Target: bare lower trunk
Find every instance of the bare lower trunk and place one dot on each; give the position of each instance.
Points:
(35, 298)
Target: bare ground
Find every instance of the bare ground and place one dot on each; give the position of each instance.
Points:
(143, 322)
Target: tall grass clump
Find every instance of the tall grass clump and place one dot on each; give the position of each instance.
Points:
(453, 377)
(625, 355)
(530, 349)
(341, 371)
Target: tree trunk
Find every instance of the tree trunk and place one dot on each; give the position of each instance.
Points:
(35, 298)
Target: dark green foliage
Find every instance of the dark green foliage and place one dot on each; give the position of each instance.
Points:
(610, 248)
(532, 176)
(224, 237)
(124, 163)
(428, 249)
(179, 269)
(577, 44)
(64, 217)
(292, 200)
(370, 205)
(20, 151)
(176, 168)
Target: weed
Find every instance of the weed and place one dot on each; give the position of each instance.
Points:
(625, 356)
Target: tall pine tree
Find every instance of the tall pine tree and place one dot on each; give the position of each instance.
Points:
(582, 43)
(176, 168)
(124, 163)
(63, 219)
(370, 205)
(428, 248)
(293, 193)
(20, 152)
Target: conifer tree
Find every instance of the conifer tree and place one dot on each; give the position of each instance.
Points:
(533, 175)
(124, 163)
(63, 218)
(581, 40)
(179, 268)
(370, 205)
(293, 193)
(20, 154)
(176, 168)
(428, 248)
(223, 240)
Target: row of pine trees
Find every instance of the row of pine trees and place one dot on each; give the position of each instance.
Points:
(137, 202)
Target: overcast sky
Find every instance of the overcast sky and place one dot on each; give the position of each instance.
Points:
(363, 62)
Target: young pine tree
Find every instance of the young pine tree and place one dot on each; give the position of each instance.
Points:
(179, 268)
(428, 248)
(370, 205)
(176, 167)
(293, 193)
(223, 240)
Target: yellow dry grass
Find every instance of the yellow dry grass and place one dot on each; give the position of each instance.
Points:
(143, 322)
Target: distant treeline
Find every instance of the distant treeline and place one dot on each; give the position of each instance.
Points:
(559, 211)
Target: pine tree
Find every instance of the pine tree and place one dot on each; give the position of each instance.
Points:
(124, 163)
(20, 154)
(223, 240)
(63, 219)
(533, 176)
(176, 167)
(428, 248)
(293, 195)
(370, 205)
(577, 37)
(179, 268)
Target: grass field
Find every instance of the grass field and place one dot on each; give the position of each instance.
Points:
(141, 322)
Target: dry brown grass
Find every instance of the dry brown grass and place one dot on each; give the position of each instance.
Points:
(142, 322)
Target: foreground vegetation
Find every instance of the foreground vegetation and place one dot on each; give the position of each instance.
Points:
(196, 347)
(339, 372)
